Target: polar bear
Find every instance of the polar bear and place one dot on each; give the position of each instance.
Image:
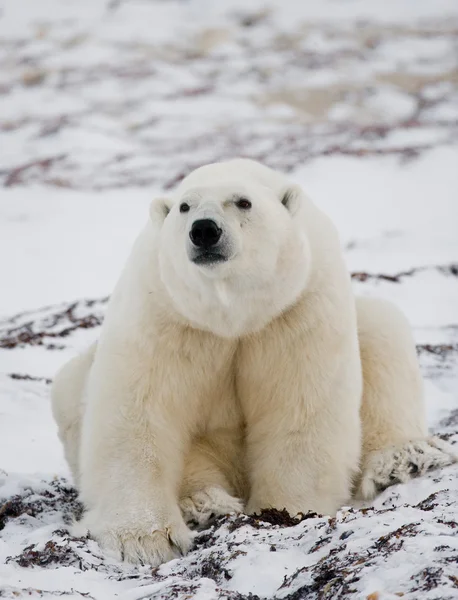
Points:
(235, 370)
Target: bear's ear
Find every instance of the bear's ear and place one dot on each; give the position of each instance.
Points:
(291, 198)
(159, 209)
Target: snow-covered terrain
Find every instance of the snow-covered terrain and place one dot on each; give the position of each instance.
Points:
(104, 103)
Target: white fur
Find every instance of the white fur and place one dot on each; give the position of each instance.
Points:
(239, 381)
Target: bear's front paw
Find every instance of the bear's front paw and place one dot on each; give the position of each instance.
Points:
(389, 466)
(136, 543)
(201, 506)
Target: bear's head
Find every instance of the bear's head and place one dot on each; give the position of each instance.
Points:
(233, 251)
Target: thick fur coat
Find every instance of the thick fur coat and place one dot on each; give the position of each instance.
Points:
(235, 370)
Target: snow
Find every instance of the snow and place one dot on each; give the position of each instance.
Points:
(105, 104)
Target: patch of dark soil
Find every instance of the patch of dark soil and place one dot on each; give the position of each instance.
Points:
(52, 553)
(10, 592)
(450, 420)
(441, 350)
(334, 576)
(15, 175)
(58, 497)
(435, 500)
(56, 324)
(337, 573)
(363, 276)
(23, 377)
(393, 541)
(282, 518)
(323, 541)
(15, 508)
(427, 579)
(451, 524)
(211, 568)
(448, 437)
(272, 516)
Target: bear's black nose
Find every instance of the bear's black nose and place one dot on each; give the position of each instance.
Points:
(205, 233)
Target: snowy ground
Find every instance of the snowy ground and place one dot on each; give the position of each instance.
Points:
(105, 103)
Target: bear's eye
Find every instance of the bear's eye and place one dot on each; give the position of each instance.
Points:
(243, 203)
(184, 207)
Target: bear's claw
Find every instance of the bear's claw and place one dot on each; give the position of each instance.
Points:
(138, 545)
(200, 507)
(383, 468)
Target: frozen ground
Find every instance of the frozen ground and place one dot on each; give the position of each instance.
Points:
(104, 104)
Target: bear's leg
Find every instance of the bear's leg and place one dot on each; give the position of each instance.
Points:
(135, 433)
(67, 401)
(396, 445)
(148, 397)
(300, 390)
(213, 480)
